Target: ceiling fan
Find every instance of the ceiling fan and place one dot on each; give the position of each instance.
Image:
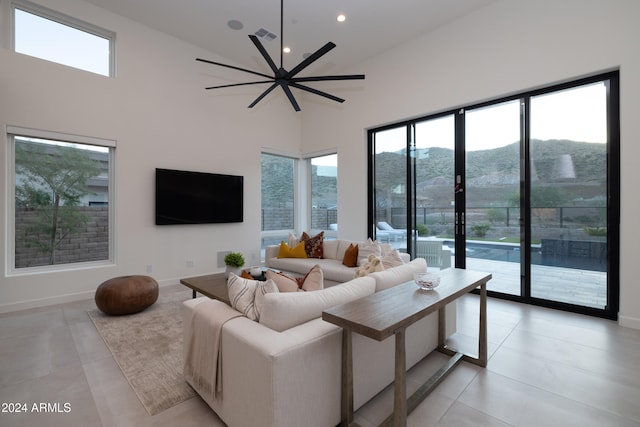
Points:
(283, 78)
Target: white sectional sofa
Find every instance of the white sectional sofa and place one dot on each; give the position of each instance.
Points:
(331, 264)
(285, 370)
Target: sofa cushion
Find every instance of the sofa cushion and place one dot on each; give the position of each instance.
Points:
(287, 251)
(312, 281)
(397, 275)
(330, 248)
(242, 294)
(285, 310)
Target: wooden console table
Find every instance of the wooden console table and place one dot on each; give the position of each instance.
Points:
(390, 312)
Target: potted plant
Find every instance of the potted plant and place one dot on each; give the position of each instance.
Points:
(234, 262)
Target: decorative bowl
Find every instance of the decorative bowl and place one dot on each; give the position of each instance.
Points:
(427, 281)
(255, 271)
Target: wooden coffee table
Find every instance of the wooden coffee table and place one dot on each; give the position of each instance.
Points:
(390, 312)
(211, 285)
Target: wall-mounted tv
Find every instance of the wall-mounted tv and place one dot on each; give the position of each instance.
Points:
(184, 197)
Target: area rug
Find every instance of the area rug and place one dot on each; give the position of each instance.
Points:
(148, 348)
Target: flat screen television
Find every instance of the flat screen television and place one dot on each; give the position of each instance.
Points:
(184, 197)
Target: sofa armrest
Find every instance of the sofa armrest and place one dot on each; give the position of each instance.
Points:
(270, 252)
(261, 378)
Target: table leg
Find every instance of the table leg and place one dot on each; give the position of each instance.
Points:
(442, 328)
(482, 358)
(194, 294)
(347, 379)
(400, 384)
(482, 341)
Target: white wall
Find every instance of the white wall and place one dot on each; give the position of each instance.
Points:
(160, 116)
(507, 47)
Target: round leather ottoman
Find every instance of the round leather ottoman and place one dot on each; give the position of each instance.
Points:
(126, 294)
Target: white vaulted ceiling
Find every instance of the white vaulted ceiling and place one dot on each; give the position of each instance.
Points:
(371, 26)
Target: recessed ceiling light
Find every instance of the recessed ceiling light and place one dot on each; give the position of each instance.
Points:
(286, 49)
(341, 18)
(234, 24)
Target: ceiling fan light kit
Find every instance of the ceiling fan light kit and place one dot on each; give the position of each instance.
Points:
(283, 78)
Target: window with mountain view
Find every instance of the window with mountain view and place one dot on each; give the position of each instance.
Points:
(61, 200)
(324, 193)
(526, 187)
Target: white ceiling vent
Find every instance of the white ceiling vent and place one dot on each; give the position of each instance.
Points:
(265, 35)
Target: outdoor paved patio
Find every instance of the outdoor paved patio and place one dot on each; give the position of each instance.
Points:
(570, 285)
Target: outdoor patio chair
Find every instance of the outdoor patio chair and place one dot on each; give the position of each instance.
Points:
(434, 253)
(382, 235)
(395, 233)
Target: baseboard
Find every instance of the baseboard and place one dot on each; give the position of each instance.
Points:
(62, 299)
(44, 302)
(629, 322)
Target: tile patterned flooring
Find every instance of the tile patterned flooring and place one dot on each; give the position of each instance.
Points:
(546, 368)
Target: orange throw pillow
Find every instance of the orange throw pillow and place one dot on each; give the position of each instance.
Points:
(246, 275)
(351, 256)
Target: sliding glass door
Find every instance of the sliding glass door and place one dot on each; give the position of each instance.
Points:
(525, 187)
(492, 193)
(569, 194)
(433, 169)
(391, 198)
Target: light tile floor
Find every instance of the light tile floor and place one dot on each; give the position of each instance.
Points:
(546, 368)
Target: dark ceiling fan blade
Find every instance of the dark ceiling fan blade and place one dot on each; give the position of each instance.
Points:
(324, 78)
(292, 99)
(317, 92)
(233, 67)
(310, 59)
(264, 54)
(239, 84)
(265, 93)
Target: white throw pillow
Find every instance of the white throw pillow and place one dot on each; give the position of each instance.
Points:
(293, 240)
(244, 292)
(263, 288)
(370, 247)
(391, 259)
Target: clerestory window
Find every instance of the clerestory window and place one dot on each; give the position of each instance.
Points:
(53, 36)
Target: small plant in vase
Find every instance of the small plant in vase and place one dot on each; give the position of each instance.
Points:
(234, 262)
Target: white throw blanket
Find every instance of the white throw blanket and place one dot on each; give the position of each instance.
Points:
(203, 361)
